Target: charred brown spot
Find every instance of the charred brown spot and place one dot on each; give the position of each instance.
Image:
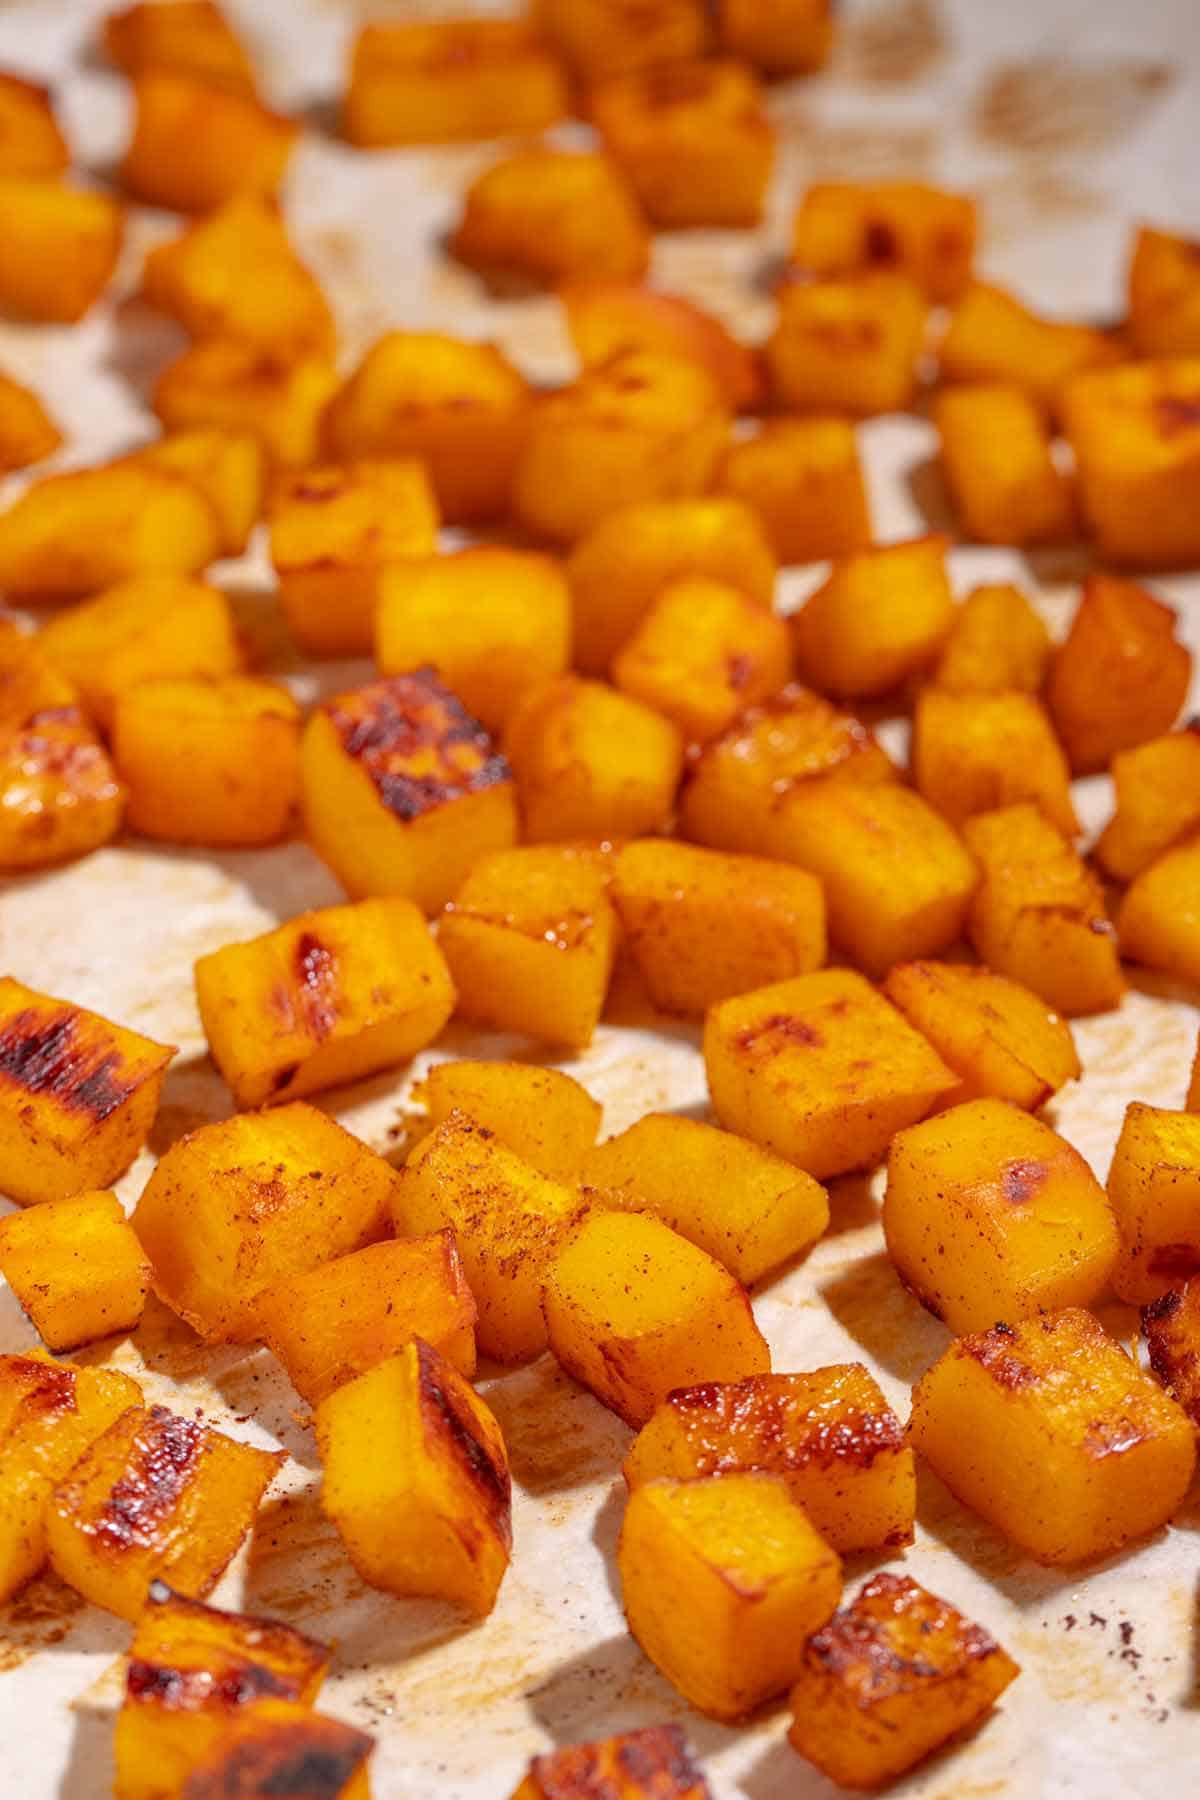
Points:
(416, 742)
(991, 1350)
(47, 1388)
(738, 669)
(487, 1473)
(1165, 1307)
(162, 1460)
(782, 1026)
(50, 1055)
(1021, 1180)
(305, 1759)
(1177, 412)
(880, 243)
(190, 1690)
(316, 972)
(1175, 1259)
(868, 1641)
(653, 1762)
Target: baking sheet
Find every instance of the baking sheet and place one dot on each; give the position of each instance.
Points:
(1071, 118)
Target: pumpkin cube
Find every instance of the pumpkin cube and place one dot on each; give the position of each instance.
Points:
(232, 387)
(1154, 1187)
(821, 1070)
(996, 644)
(507, 1220)
(1158, 921)
(441, 81)
(1164, 294)
(195, 146)
(1158, 799)
(633, 1310)
(651, 1764)
(997, 462)
(27, 432)
(722, 1582)
(416, 1480)
(238, 1205)
(75, 533)
(78, 1095)
(605, 317)
(804, 480)
(494, 622)
(155, 1495)
(829, 1435)
(33, 143)
(639, 427)
(1171, 1330)
(703, 652)
(546, 1117)
(336, 1322)
(189, 37)
(30, 685)
(845, 228)
(702, 925)
(598, 38)
(1000, 1039)
(227, 467)
(590, 762)
(1135, 432)
(750, 1210)
(1038, 915)
(460, 408)
(780, 37)
(403, 791)
(193, 1673)
(972, 753)
(541, 217)
(287, 1751)
(847, 346)
(161, 628)
(883, 615)
(992, 337)
(891, 1679)
(1120, 677)
(76, 1267)
(631, 555)
(59, 793)
(61, 246)
(334, 531)
(1050, 1432)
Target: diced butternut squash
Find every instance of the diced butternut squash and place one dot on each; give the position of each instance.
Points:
(925, 233)
(633, 1310)
(546, 1117)
(75, 533)
(973, 753)
(231, 387)
(702, 652)
(604, 317)
(1171, 1329)
(227, 467)
(1121, 676)
(31, 141)
(1051, 1433)
(1158, 799)
(76, 1267)
(59, 793)
(1158, 921)
(156, 1495)
(1000, 1039)
(847, 347)
(780, 37)
(287, 1751)
(1038, 915)
(891, 1679)
(442, 81)
(27, 432)
(997, 463)
(236, 1206)
(651, 1764)
(416, 1480)
(804, 480)
(78, 1095)
(993, 337)
(830, 1435)
(597, 38)
(723, 1580)
(61, 246)
(336, 1322)
(402, 790)
(1164, 294)
(820, 1069)
(1135, 432)
(1154, 1187)
(195, 146)
(997, 644)
(882, 616)
(542, 216)
(190, 37)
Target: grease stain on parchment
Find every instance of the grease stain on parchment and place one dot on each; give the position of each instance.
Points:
(1062, 104)
(892, 45)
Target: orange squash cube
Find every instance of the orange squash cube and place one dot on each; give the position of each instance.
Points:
(992, 337)
(821, 1070)
(61, 246)
(1171, 1330)
(195, 146)
(1135, 432)
(546, 1117)
(847, 346)
(996, 459)
(605, 317)
(59, 794)
(804, 480)
(76, 1267)
(1038, 915)
(997, 644)
(75, 533)
(882, 616)
(1158, 800)
(972, 753)
(924, 233)
(187, 37)
(1164, 294)
(31, 140)
(1158, 921)
(780, 37)
(1120, 677)
(651, 1764)
(227, 467)
(541, 217)
(1000, 1039)
(701, 653)
(27, 432)
(232, 387)
(403, 791)
(598, 38)
(1154, 1187)
(442, 81)
(279, 1747)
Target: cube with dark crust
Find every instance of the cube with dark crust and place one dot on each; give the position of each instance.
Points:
(1171, 1329)
(651, 1764)
(287, 1752)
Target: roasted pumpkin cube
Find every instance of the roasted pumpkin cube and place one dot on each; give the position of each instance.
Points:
(507, 1221)
(631, 1766)
(722, 1581)
(78, 1095)
(702, 925)
(639, 427)
(992, 337)
(233, 387)
(630, 555)
(195, 146)
(847, 346)
(1000, 1039)
(338, 1321)
(598, 38)
(890, 1680)
(27, 432)
(31, 141)
(804, 480)
(996, 644)
(844, 228)
(702, 652)
(227, 467)
(633, 1310)
(750, 1210)
(287, 1751)
(590, 762)
(30, 685)
(546, 1117)
(544, 216)
(234, 275)
(416, 1480)
(1154, 1187)
(829, 1435)
(972, 753)
(75, 533)
(1158, 800)
(460, 408)
(334, 532)
(1164, 294)
(604, 317)
(780, 37)
(1120, 677)
(1050, 1432)
(155, 1495)
(236, 1206)
(60, 248)
(441, 81)
(76, 1268)
(59, 793)
(883, 615)
(1171, 1329)
(1135, 432)
(692, 139)
(495, 622)
(194, 1672)
(152, 628)
(997, 462)
(1158, 921)
(1038, 915)
(192, 38)
(328, 998)
(821, 1070)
